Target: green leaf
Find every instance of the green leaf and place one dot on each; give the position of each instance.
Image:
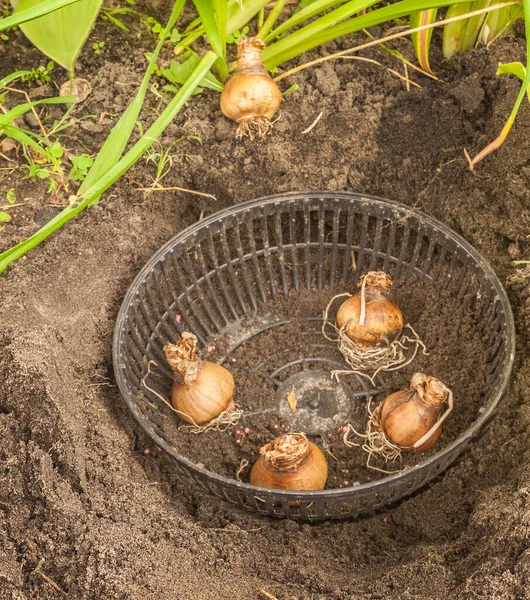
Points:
(421, 40)
(44, 8)
(179, 73)
(62, 33)
(114, 145)
(4, 217)
(514, 68)
(143, 144)
(337, 24)
(454, 36)
(11, 196)
(20, 109)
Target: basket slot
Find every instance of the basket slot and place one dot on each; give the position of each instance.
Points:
(391, 227)
(450, 272)
(206, 278)
(244, 270)
(219, 276)
(231, 274)
(307, 245)
(267, 256)
(348, 251)
(377, 246)
(415, 252)
(281, 251)
(185, 307)
(362, 247)
(334, 247)
(169, 281)
(321, 238)
(294, 246)
(427, 260)
(254, 255)
(202, 295)
(402, 251)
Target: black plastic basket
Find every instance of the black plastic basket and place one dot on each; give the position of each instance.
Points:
(218, 274)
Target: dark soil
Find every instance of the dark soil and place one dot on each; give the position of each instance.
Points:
(85, 508)
(456, 354)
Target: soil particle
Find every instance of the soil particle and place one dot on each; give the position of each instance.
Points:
(78, 495)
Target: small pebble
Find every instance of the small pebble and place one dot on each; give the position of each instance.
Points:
(147, 451)
(178, 318)
(345, 482)
(345, 429)
(247, 430)
(159, 449)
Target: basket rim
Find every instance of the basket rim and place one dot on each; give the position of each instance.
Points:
(354, 489)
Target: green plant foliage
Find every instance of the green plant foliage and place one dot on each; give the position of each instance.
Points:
(62, 33)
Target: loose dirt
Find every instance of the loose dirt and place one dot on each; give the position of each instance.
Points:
(85, 508)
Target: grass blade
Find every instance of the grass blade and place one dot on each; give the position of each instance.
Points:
(324, 30)
(44, 8)
(319, 6)
(115, 144)
(422, 40)
(20, 109)
(525, 89)
(128, 160)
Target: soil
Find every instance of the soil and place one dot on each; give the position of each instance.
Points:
(459, 361)
(89, 509)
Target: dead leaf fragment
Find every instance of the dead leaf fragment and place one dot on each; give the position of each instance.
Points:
(7, 144)
(291, 399)
(80, 88)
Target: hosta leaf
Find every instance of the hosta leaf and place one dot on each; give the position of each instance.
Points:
(62, 33)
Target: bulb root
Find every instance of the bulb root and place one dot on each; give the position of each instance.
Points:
(255, 127)
(228, 418)
(375, 444)
(376, 359)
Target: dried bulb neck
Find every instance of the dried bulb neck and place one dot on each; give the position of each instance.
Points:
(287, 453)
(183, 360)
(377, 281)
(249, 56)
(429, 389)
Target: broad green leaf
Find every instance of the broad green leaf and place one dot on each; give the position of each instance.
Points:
(421, 40)
(514, 68)
(179, 73)
(62, 33)
(44, 8)
(4, 217)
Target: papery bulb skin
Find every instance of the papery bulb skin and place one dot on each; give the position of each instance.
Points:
(406, 416)
(251, 97)
(290, 462)
(383, 321)
(202, 390)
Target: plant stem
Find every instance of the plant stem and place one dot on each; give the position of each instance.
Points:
(271, 20)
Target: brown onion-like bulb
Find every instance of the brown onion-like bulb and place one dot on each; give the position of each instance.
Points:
(369, 317)
(407, 416)
(202, 390)
(290, 462)
(251, 97)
